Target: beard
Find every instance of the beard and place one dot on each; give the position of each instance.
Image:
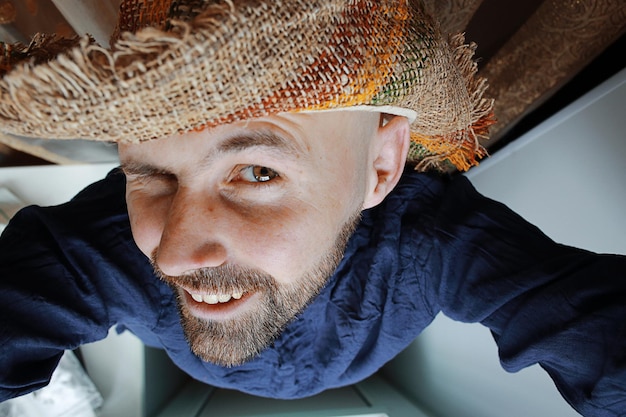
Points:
(239, 339)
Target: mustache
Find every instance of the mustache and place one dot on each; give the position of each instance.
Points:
(225, 278)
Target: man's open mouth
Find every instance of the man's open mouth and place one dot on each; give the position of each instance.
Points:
(212, 306)
(215, 298)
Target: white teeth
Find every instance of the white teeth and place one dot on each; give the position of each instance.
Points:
(210, 298)
(215, 298)
(222, 298)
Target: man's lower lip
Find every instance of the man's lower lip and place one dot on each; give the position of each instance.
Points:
(219, 311)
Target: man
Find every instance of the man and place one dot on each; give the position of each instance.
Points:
(250, 222)
(272, 179)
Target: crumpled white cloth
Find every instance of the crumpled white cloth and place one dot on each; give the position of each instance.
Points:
(70, 394)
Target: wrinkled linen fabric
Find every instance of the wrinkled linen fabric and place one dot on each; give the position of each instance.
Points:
(71, 272)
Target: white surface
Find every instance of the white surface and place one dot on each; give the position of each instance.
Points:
(9, 205)
(116, 366)
(51, 184)
(453, 370)
(566, 176)
(70, 394)
(373, 397)
(44, 185)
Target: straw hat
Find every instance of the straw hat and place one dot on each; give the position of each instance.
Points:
(180, 65)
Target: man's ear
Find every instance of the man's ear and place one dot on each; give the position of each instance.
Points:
(387, 158)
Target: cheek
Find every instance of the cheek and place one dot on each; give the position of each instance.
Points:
(147, 218)
(343, 184)
(291, 242)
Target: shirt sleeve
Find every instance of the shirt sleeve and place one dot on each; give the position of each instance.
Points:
(61, 283)
(546, 303)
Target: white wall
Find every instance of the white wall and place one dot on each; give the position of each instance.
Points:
(567, 176)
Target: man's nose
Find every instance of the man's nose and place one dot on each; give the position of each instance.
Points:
(193, 235)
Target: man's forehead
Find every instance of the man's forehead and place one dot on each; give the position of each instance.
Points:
(289, 132)
(208, 147)
(283, 136)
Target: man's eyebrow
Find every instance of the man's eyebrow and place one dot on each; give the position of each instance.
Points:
(265, 139)
(141, 169)
(237, 143)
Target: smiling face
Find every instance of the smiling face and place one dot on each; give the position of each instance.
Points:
(247, 221)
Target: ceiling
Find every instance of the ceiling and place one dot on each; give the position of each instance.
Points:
(496, 23)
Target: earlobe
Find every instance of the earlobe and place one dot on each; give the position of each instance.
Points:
(388, 158)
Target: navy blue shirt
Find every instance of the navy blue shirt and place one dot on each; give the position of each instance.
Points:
(69, 273)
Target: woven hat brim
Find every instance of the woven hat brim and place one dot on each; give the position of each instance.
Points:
(223, 66)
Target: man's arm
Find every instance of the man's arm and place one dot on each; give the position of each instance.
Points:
(64, 281)
(545, 303)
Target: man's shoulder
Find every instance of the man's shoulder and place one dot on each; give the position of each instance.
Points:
(416, 193)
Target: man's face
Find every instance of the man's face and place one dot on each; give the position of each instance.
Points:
(247, 221)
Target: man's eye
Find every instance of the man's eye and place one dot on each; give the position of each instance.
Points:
(256, 173)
